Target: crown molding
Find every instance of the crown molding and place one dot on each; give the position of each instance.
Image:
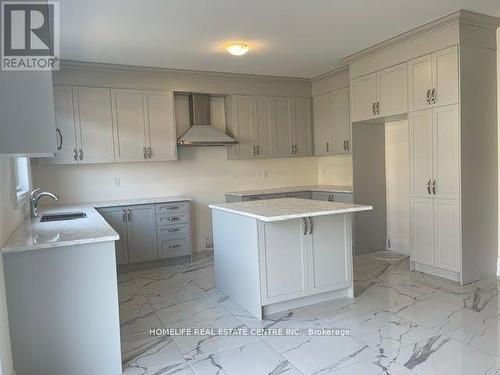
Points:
(341, 67)
(75, 65)
(460, 16)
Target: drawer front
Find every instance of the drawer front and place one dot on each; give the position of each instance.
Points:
(171, 208)
(173, 231)
(181, 217)
(342, 197)
(173, 248)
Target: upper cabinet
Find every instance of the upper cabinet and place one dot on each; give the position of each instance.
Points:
(267, 127)
(433, 79)
(101, 125)
(380, 94)
(27, 114)
(332, 127)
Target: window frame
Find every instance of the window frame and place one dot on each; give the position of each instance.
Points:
(20, 180)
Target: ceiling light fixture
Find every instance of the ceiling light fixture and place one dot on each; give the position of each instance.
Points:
(237, 49)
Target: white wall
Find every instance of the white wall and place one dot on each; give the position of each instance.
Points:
(10, 218)
(397, 185)
(335, 170)
(203, 173)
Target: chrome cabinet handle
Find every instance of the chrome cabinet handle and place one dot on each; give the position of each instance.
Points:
(348, 145)
(344, 146)
(296, 150)
(378, 108)
(173, 208)
(173, 246)
(373, 108)
(144, 152)
(428, 96)
(171, 230)
(310, 225)
(75, 154)
(81, 154)
(58, 131)
(253, 148)
(150, 152)
(434, 187)
(327, 146)
(433, 96)
(304, 221)
(429, 186)
(124, 216)
(173, 218)
(258, 149)
(129, 215)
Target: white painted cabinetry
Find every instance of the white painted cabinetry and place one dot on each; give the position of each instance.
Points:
(305, 256)
(267, 127)
(433, 79)
(332, 128)
(380, 94)
(101, 125)
(435, 187)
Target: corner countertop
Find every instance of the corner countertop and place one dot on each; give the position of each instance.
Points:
(33, 235)
(288, 208)
(293, 189)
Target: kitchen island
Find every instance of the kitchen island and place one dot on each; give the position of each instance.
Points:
(274, 255)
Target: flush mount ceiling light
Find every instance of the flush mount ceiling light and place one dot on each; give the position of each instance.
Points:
(237, 49)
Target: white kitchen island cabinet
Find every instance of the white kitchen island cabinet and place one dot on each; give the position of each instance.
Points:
(278, 254)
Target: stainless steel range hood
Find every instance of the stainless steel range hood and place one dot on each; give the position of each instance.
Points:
(201, 133)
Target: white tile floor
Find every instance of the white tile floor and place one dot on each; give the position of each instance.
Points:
(401, 322)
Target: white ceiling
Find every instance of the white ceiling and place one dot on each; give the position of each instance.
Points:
(298, 38)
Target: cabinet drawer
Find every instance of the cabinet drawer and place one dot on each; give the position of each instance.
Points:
(171, 208)
(181, 217)
(170, 248)
(173, 231)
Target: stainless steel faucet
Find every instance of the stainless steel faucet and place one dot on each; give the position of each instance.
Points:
(35, 197)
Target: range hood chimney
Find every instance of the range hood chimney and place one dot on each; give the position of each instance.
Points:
(201, 133)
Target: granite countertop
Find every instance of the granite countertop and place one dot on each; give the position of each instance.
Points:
(292, 189)
(288, 208)
(34, 235)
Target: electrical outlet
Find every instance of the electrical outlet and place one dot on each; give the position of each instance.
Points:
(209, 243)
(116, 181)
(265, 173)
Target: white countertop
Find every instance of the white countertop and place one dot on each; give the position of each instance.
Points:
(288, 208)
(131, 202)
(293, 189)
(34, 235)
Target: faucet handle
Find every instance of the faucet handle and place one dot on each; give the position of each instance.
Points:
(33, 193)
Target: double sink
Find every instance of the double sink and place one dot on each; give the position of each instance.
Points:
(62, 216)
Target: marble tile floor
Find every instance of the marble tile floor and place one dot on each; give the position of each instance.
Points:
(401, 322)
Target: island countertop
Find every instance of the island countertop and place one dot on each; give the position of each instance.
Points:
(33, 235)
(293, 189)
(288, 208)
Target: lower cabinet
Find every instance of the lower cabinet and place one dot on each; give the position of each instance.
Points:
(436, 232)
(150, 231)
(332, 197)
(305, 256)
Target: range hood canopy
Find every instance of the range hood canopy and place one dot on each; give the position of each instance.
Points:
(201, 133)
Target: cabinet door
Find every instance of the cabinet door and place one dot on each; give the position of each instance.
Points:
(141, 233)
(117, 218)
(302, 129)
(322, 109)
(445, 76)
(321, 196)
(422, 230)
(244, 111)
(130, 142)
(420, 129)
(65, 124)
(341, 122)
(264, 127)
(94, 124)
(330, 254)
(393, 90)
(363, 97)
(420, 82)
(447, 234)
(283, 261)
(342, 197)
(160, 125)
(446, 151)
(283, 126)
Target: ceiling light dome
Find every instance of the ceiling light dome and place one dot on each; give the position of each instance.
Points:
(237, 49)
